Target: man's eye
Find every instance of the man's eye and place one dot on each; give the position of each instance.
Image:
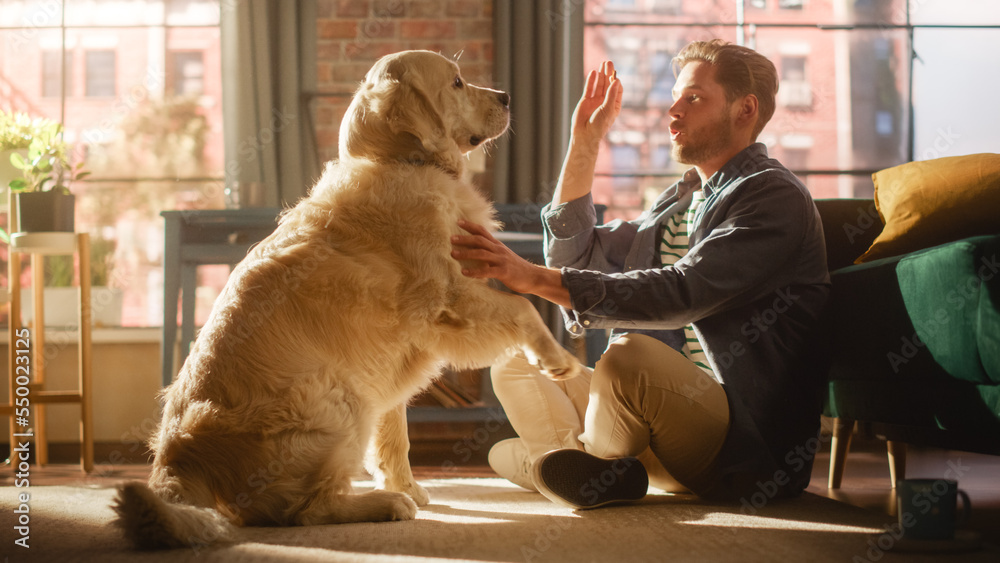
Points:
(458, 82)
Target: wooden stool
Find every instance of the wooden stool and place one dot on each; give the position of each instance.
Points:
(24, 428)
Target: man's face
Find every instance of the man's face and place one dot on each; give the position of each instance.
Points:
(701, 125)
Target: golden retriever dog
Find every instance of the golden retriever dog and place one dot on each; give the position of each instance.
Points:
(331, 324)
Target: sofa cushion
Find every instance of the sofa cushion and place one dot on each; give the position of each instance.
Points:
(952, 296)
(935, 201)
(932, 312)
(915, 339)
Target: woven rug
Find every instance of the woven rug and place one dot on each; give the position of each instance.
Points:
(490, 520)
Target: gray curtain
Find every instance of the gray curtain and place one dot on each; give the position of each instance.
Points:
(269, 47)
(539, 61)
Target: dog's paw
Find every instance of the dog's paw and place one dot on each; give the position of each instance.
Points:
(418, 494)
(390, 505)
(411, 488)
(565, 367)
(402, 507)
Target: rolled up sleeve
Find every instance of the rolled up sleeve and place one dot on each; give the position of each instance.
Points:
(732, 263)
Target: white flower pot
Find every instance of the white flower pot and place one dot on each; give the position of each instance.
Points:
(62, 308)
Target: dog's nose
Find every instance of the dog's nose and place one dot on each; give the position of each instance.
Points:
(504, 99)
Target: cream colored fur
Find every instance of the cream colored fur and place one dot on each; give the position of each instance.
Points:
(331, 324)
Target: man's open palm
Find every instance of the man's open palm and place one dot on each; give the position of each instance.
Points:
(599, 106)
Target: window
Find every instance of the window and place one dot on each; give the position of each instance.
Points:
(662, 75)
(848, 104)
(672, 7)
(621, 4)
(52, 73)
(790, 4)
(186, 73)
(625, 53)
(795, 91)
(100, 73)
(145, 115)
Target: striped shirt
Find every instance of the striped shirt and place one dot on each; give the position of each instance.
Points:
(673, 247)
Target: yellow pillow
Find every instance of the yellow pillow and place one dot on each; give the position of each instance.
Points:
(932, 202)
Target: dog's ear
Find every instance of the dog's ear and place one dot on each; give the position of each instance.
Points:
(392, 117)
(366, 130)
(410, 110)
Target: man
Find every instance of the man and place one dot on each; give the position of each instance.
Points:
(707, 385)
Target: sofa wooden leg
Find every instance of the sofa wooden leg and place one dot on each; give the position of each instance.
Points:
(843, 431)
(897, 461)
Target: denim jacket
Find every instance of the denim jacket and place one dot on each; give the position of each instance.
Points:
(752, 284)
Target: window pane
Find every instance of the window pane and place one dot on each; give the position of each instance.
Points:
(841, 101)
(128, 213)
(825, 12)
(755, 11)
(185, 73)
(664, 11)
(148, 149)
(639, 141)
(140, 12)
(856, 185)
(956, 12)
(52, 73)
(30, 15)
(628, 196)
(100, 73)
(23, 91)
(118, 12)
(954, 92)
(137, 140)
(193, 12)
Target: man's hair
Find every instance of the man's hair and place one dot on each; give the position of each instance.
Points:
(739, 70)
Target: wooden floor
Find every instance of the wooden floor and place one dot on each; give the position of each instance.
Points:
(866, 481)
(866, 478)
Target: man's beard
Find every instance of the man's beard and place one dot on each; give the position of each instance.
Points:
(715, 138)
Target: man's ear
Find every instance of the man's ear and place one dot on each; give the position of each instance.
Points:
(747, 111)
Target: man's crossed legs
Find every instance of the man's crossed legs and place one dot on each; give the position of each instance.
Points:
(644, 414)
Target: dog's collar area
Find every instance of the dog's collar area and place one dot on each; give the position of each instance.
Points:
(434, 163)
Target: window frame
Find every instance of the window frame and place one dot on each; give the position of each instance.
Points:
(746, 33)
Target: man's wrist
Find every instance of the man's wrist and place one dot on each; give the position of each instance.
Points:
(583, 148)
(548, 285)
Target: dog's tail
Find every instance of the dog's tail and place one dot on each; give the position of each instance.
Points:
(150, 522)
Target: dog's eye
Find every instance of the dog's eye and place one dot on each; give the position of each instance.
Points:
(458, 82)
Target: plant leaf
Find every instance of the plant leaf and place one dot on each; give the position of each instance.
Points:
(17, 159)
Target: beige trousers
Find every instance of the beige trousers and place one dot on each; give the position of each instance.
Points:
(642, 399)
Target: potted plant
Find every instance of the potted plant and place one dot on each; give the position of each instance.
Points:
(42, 199)
(16, 132)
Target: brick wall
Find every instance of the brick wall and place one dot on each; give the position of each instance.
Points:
(353, 34)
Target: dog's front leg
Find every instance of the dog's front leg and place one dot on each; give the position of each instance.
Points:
(392, 448)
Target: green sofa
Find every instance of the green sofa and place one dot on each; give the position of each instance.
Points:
(913, 340)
